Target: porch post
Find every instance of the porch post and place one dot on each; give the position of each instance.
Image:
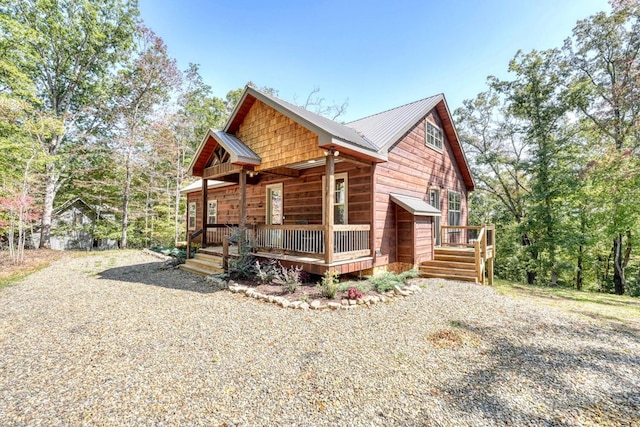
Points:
(243, 198)
(329, 200)
(205, 210)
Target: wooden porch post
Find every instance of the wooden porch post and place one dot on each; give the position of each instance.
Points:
(243, 198)
(205, 210)
(329, 200)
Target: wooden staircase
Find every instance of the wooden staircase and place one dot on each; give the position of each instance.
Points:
(452, 264)
(205, 263)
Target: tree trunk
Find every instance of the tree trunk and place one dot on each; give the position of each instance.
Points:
(176, 208)
(619, 281)
(532, 275)
(579, 276)
(125, 201)
(50, 191)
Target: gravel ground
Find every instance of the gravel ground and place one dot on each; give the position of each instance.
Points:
(116, 340)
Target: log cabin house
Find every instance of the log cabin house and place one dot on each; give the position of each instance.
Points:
(386, 192)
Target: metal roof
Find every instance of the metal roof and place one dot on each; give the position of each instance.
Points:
(414, 205)
(388, 127)
(239, 152)
(197, 185)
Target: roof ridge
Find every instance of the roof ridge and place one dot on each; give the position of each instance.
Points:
(395, 108)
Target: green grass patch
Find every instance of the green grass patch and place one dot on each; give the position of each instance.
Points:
(614, 310)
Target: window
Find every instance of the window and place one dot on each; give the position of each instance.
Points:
(434, 136)
(274, 204)
(455, 215)
(191, 216)
(340, 199)
(434, 200)
(212, 212)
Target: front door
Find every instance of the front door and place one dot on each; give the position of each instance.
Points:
(434, 200)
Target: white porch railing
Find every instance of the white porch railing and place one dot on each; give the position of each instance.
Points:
(349, 240)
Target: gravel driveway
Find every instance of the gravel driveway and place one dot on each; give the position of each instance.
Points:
(113, 339)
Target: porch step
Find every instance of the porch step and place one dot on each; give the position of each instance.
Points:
(447, 277)
(451, 264)
(203, 264)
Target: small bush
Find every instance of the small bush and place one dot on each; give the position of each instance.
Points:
(361, 285)
(242, 267)
(386, 281)
(266, 271)
(353, 293)
(289, 279)
(329, 284)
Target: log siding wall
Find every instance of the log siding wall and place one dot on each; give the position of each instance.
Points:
(302, 197)
(412, 169)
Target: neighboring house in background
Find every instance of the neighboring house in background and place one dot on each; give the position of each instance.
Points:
(380, 193)
(73, 228)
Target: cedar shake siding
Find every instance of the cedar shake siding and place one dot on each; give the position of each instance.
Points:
(276, 138)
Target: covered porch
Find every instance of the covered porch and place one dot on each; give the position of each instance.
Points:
(267, 205)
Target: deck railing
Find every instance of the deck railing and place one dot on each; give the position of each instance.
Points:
(350, 241)
(307, 239)
(480, 238)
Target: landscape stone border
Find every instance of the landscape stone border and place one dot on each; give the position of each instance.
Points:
(344, 304)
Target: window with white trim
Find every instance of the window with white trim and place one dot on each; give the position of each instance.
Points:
(191, 216)
(212, 212)
(340, 198)
(434, 136)
(455, 208)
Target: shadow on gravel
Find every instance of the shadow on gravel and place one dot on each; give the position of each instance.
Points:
(590, 383)
(156, 274)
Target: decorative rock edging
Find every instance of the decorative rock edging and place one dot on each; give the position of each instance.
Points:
(344, 304)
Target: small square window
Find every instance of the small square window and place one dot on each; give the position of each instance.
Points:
(434, 136)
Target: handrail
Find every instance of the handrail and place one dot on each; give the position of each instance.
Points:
(479, 243)
(189, 238)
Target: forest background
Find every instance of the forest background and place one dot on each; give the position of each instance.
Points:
(93, 106)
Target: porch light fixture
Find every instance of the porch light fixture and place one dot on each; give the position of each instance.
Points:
(333, 151)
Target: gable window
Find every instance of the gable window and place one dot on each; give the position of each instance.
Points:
(434, 136)
(455, 214)
(191, 216)
(340, 199)
(212, 212)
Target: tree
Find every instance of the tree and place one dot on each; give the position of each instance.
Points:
(142, 85)
(66, 49)
(605, 56)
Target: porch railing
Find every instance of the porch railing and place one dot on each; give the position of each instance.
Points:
(350, 241)
(480, 238)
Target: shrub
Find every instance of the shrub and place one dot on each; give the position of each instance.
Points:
(266, 271)
(329, 284)
(353, 293)
(386, 281)
(361, 285)
(288, 279)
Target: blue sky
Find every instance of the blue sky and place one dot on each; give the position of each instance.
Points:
(378, 54)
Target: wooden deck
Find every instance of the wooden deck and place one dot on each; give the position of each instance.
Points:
(210, 261)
